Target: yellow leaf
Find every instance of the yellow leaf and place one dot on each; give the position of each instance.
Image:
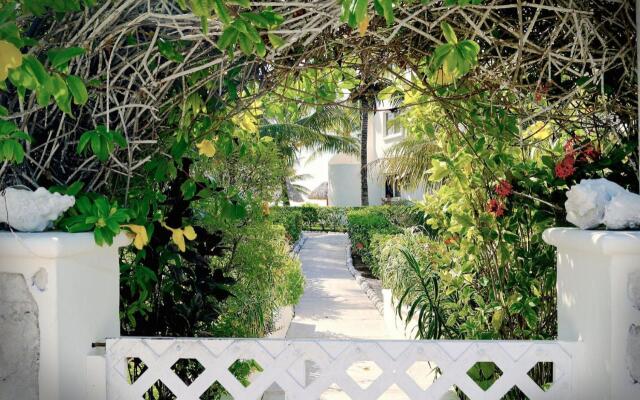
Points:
(206, 148)
(443, 77)
(246, 121)
(178, 238)
(496, 320)
(189, 232)
(139, 235)
(178, 235)
(10, 57)
(539, 131)
(363, 25)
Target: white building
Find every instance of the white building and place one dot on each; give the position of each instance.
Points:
(344, 170)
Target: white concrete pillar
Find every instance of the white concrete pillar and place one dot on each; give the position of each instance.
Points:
(59, 293)
(599, 306)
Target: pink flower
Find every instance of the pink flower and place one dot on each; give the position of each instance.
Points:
(504, 188)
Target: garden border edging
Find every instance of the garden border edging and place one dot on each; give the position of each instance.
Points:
(364, 285)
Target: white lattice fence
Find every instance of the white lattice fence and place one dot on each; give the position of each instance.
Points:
(287, 363)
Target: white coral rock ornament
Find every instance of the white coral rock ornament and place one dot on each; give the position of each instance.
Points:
(595, 202)
(28, 211)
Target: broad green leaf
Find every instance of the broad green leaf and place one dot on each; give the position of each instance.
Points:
(261, 49)
(22, 77)
(84, 140)
(387, 7)
(228, 38)
(59, 58)
(276, 41)
(118, 138)
(438, 170)
(360, 10)
(274, 18)
(449, 33)
(61, 94)
(188, 189)
(253, 34)
(222, 12)
(241, 3)
(256, 19)
(201, 8)
(77, 89)
(36, 69)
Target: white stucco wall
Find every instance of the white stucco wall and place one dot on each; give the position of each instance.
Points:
(75, 285)
(344, 181)
(599, 306)
(379, 144)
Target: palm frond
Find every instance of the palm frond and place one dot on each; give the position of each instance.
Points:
(300, 188)
(298, 137)
(407, 162)
(340, 120)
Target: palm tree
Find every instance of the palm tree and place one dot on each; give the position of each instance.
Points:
(407, 161)
(364, 138)
(325, 129)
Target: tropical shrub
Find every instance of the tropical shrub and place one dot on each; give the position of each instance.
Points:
(362, 224)
(266, 278)
(311, 218)
(333, 219)
(309, 215)
(291, 219)
(488, 273)
(390, 264)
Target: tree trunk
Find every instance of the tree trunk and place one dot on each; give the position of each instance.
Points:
(285, 193)
(364, 134)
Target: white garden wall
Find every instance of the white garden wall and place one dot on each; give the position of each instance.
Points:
(72, 286)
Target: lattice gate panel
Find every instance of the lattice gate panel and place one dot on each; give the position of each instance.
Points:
(305, 369)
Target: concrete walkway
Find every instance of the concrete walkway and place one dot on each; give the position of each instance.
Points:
(333, 304)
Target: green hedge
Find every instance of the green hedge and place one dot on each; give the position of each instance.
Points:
(362, 225)
(290, 218)
(314, 218)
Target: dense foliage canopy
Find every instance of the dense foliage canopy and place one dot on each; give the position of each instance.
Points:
(155, 115)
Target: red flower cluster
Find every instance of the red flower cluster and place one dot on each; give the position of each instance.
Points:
(495, 207)
(566, 167)
(359, 246)
(504, 188)
(450, 240)
(590, 152)
(575, 153)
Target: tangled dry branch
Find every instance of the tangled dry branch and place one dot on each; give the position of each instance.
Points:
(526, 46)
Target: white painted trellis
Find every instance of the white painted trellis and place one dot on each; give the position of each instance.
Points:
(283, 362)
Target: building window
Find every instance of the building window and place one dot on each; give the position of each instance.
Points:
(391, 188)
(392, 125)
